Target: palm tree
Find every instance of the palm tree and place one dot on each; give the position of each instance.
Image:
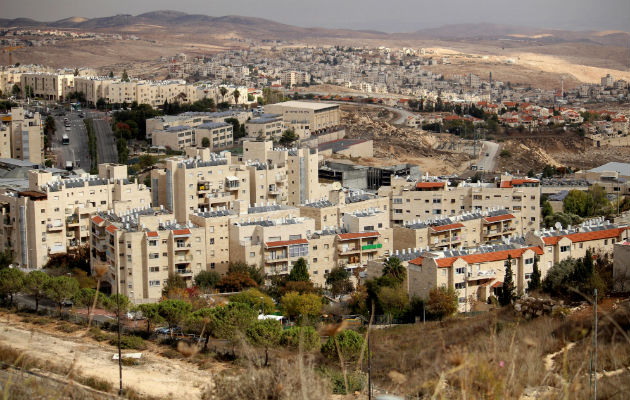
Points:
(236, 95)
(394, 268)
(223, 90)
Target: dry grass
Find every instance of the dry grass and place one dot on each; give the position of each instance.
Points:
(495, 356)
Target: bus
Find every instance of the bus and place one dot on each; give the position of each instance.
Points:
(65, 139)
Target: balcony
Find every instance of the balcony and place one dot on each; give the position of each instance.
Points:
(281, 177)
(348, 250)
(184, 271)
(54, 227)
(274, 191)
(57, 249)
(371, 246)
(277, 270)
(182, 246)
(183, 260)
(473, 276)
(72, 220)
(277, 258)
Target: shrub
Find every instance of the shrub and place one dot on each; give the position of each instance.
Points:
(350, 345)
(307, 334)
(356, 381)
(129, 342)
(98, 335)
(95, 383)
(67, 327)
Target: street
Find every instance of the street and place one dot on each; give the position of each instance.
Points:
(77, 150)
(105, 142)
(488, 163)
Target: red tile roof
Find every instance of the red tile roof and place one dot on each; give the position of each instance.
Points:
(498, 218)
(497, 284)
(181, 232)
(586, 236)
(429, 185)
(111, 229)
(97, 220)
(348, 236)
(152, 234)
(482, 257)
(509, 184)
(447, 227)
(282, 243)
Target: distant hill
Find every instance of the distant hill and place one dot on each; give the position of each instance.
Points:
(263, 28)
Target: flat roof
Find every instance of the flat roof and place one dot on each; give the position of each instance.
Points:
(306, 104)
(620, 168)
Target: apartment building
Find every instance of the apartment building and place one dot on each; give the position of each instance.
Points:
(474, 273)
(192, 120)
(341, 201)
(292, 78)
(266, 126)
(219, 134)
(215, 223)
(51, 217)
(50, 86)
(412, 201)
(141, 247)
(267, 182)
(301, 168)
(597, 235)
(21, 136)
(320, 117)
(464, 230)
(93, 88)
(199, 181)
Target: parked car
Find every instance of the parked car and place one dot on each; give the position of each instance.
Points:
(67, 303)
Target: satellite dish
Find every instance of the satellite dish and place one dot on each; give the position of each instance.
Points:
(336, 186)
(558, 225)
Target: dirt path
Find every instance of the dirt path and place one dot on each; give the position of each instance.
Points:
(157, 376)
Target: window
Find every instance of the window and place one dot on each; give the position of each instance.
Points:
(152, 242)
(461, 270)
(153, 255)
(252, 254)
(314, 248)
(398, 201)
(368, 228)
(128, 245)
(154, 269)
(564, 249)
(529, 261)
(460, 285)
(154, 283)
(211, 240)
(528, 276)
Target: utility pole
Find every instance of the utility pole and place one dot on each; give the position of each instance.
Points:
(120, 389)
(595, 358)
(369, 360)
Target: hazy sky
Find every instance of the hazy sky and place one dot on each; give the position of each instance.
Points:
(384, 15)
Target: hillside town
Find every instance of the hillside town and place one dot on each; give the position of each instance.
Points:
(288, 216)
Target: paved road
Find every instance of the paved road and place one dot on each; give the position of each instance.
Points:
(105, 141)
(77, 150)
(488, 162)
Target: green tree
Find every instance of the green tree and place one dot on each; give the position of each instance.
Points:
(266, 334)
(576, 202)
(227, 320)
(125, 77)
(205, 142)
(442, 302)
(304, 336)
(393, 301)
(255, 273)
(35, 283)
(199, 321)
(6, 259)
(16, 90)
(534, 280)
(11, 282)
(101, 103)
(254, 298)
(599, 203)
(174, 312)
(349, 343)
(49, 126)
(174, 284)
(84, 297)
(76, 72)
(236, 95)
(299, 272)
(111, 74)
(223, 90)
(151, 312)
(506, 295)
(118, 304)
(392, 267)
(61, 288)
(546, 209)
(338, 280)
(295, 304)
(288, 137)
(207, 279)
